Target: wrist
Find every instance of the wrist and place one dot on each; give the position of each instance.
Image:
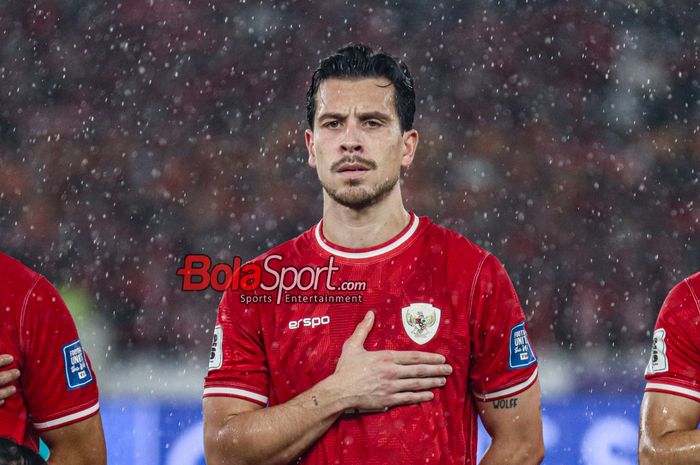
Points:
(331, 391)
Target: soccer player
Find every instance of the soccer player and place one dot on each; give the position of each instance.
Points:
(398, 371)
(57, 398)
(670, 410)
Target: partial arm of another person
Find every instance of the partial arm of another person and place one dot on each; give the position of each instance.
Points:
(515, 426)
(239, 432)
(80, 443)
(667, 430)
(6, 377)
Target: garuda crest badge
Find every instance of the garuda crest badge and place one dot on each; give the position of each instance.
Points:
(420, 321)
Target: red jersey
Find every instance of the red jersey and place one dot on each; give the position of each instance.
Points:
(674, 366)
(56, 386)
(431, 290)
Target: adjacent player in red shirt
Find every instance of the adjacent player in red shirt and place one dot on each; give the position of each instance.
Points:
(376, 336)
(671, 406)
(57, 398)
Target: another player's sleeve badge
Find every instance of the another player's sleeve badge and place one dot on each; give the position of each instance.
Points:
(658, 362)
(521, 354)
(216, 357)
(78, 372)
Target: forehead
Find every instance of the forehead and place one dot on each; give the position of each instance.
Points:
(351, 95)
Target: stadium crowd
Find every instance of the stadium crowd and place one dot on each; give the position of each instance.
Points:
(563, 136)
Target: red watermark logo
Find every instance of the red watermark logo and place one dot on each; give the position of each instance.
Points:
(198, 274)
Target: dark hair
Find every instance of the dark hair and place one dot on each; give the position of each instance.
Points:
(14, 454)
(359, 61)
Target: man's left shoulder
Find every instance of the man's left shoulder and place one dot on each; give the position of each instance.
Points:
(452, 242)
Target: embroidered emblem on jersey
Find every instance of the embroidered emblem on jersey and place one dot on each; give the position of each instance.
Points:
(658, 362)
(521, 354)
(76, 367)
(420, 321)
(216, 356)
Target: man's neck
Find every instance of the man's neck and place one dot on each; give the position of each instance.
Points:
(369, 227)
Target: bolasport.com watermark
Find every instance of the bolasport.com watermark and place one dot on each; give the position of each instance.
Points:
(271, 281)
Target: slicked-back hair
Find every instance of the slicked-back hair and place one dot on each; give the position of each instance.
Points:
(360, 61)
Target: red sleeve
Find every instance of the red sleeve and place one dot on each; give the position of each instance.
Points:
(674, 365)
(57, 379)
(237, 362)
(502, 361)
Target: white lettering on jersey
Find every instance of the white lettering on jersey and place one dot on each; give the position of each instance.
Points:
(216, 358)
(658, 362)
(312, 322)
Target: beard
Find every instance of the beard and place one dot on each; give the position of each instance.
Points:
(354, 195)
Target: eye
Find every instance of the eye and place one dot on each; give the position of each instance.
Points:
(332, 124)
(373, 123)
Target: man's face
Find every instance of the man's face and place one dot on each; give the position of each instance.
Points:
(357, 145)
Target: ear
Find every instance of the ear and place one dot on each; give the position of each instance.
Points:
(309, 138)
(410, 143)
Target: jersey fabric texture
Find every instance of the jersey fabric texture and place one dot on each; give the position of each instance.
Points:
(674, 365)
(56, 386)
(430, 289)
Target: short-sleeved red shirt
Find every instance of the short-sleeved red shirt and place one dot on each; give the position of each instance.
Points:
(57, 386)
(431, 290)
(674, 366)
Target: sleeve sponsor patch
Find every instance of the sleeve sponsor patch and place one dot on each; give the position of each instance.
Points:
(658, 362)
(76, 367)
(521, 354)
(216, 356)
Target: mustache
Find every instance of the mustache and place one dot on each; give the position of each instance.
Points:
(369, 164)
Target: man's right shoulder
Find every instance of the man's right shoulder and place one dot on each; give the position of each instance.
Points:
(682, 305)
(294, 251)
(297, 247)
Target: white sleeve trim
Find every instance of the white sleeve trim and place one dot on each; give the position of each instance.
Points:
(670, 388)
(511, 390)
(68, 418)
(234, 392)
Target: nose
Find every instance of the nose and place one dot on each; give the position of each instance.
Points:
(351, 142)
(351, 147)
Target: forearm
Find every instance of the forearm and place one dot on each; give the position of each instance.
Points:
(275, 435)
(512, 453)
(674, 448)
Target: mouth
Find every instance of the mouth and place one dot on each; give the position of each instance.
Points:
(352, 170)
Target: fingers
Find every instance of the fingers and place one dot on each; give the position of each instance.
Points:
(6, 392)
(412, 357)
(362, 330)
(419, 384)
(423, 371)
(5, 360)
(7, 376)
(406, 398)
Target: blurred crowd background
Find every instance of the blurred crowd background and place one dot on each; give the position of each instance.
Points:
(561, 136)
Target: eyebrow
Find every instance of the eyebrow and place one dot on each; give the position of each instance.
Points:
(363, 116)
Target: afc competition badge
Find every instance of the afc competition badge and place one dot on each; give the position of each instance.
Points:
(658, 362)
(420, 321)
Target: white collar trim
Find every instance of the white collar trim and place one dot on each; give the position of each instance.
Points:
(371, 253)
